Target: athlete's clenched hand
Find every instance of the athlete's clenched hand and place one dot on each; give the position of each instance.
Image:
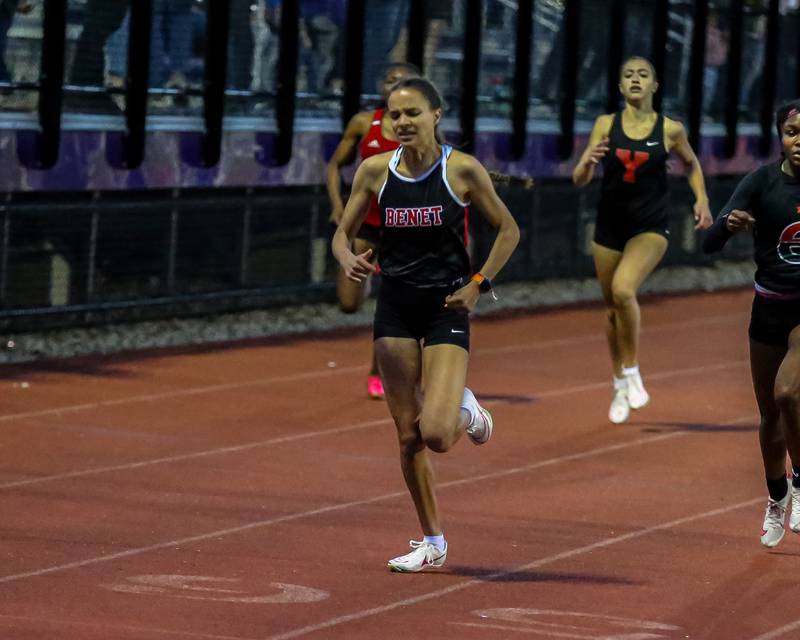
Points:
(702, 215)
(738, 220)
(357, 267)
(464, 299)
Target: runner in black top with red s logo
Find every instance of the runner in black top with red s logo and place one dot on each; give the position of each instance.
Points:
(767, 202)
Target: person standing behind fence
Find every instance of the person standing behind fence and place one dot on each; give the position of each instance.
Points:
(421, 326)
(8, 9)
(101, 19)
(767, 202)
(631, 231)
(370, 132)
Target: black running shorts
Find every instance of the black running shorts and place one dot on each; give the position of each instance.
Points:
(403, 311)
(772, 320)
(613, 231)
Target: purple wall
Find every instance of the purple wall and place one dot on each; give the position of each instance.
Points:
(86, 159)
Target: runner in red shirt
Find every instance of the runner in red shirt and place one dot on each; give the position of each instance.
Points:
(370, 132)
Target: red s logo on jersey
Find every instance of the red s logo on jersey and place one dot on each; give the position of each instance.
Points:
(632, 160)
(789, 244)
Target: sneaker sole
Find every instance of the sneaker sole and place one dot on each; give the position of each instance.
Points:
(427, 567)
(770, 545)
(619, 421)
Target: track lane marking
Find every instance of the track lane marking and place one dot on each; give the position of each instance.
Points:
(125, 627)
(493, 475)
(564, 555)
(553, 393)
(323, 373)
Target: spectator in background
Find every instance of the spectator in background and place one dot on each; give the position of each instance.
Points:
(321, 22)
(102, 18)
(171, 42)
(187, 71)
(240, 45)
(547, 73)
(117, 54)
(170, 46)
(267, 44)
(384, 22)
(753, 62)
(716, 54)
(8, 8)
(787, 45)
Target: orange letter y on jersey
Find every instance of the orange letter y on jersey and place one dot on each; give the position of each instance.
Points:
(632, 161)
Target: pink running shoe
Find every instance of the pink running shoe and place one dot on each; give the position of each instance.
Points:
(375, 387)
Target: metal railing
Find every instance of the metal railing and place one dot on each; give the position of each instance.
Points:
(68, 259)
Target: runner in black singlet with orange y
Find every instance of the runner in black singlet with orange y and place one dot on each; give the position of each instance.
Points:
(767, 202)
(632, 226)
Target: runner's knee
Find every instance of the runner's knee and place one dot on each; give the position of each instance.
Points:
(436, 433)
(787, 397)
(622, 294)
(410, 441)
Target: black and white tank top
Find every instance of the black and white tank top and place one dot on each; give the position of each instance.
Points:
(424, 227)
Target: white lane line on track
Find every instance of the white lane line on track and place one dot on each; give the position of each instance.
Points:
(112, 627)
(659, 375)
(779, 632)
(178, 393)
(321, 373)
(564, 555)
(599, 336)
(336, 430)
(337, 507)
(197, 454)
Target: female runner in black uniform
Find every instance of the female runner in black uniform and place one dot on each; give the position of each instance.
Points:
(767, 202)
(426, 292)
(632, 226)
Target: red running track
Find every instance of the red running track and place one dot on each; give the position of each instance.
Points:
(252, 492)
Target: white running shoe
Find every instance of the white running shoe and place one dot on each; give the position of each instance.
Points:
(620, 409)
(794, 518)
(637, 394)
(423, 557)
(481, 424)
(772, 530)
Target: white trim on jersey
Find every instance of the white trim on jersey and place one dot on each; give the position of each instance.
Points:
(396, 160)
(446, 151)
(380, 193)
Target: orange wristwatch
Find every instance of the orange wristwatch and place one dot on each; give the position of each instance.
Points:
(484, 284)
